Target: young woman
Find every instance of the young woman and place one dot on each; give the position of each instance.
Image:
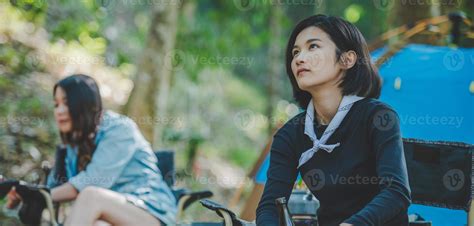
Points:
(108, 167)
(346, 145)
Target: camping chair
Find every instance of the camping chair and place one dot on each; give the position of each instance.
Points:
(440, 174)
(37, 197)
(183, 196)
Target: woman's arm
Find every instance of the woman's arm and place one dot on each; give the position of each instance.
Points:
(65, 192)
(281, 176)
(113, 153)
(62, 193)
(394, 195)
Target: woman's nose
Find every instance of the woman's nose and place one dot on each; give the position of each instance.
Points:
(300, 58)
(62, 109)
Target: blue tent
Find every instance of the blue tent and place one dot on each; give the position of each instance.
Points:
(432, 90)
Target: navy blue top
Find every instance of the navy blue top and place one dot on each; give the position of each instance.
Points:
(364, 181)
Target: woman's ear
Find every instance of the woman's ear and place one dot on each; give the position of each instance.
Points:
(348, 59)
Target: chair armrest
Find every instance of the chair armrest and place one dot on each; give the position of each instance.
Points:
(35, 199)
(189, 197)
(230, 218)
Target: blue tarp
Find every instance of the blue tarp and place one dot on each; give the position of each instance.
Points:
(432, 90)
(434, 102)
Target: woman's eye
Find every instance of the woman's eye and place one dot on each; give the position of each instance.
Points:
(55, 105)
(313, 46)
(295, 52)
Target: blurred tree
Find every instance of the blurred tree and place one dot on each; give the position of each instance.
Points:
(149, 96)
(27, 130)
(274, 61)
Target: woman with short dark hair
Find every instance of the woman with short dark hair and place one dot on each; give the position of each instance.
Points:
(347, 144)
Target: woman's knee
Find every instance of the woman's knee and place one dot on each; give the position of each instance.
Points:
(101, 223)
(90, 194)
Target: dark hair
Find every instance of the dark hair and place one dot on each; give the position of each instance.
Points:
(85, 109)
(362, 79)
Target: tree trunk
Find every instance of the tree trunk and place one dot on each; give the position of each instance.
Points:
(274, 61)
(148, 99)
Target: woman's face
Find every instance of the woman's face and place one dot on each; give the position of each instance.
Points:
(314, 59)
(61, 111)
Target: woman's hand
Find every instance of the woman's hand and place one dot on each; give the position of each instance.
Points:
(13, 199)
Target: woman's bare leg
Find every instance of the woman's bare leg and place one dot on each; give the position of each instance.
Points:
(95, 204)
(101, 223)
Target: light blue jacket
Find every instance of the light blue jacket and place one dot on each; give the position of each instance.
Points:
(123, 161)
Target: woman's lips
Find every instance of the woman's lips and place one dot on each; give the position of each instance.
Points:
(62, 121)
(301, 71)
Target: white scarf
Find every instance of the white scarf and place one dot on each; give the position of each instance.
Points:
(343, 109)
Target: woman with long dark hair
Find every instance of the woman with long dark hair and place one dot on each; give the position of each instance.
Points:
(347, 144)
(107, 167)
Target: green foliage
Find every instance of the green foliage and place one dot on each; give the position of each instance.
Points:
(27, 134)
(244, 158)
